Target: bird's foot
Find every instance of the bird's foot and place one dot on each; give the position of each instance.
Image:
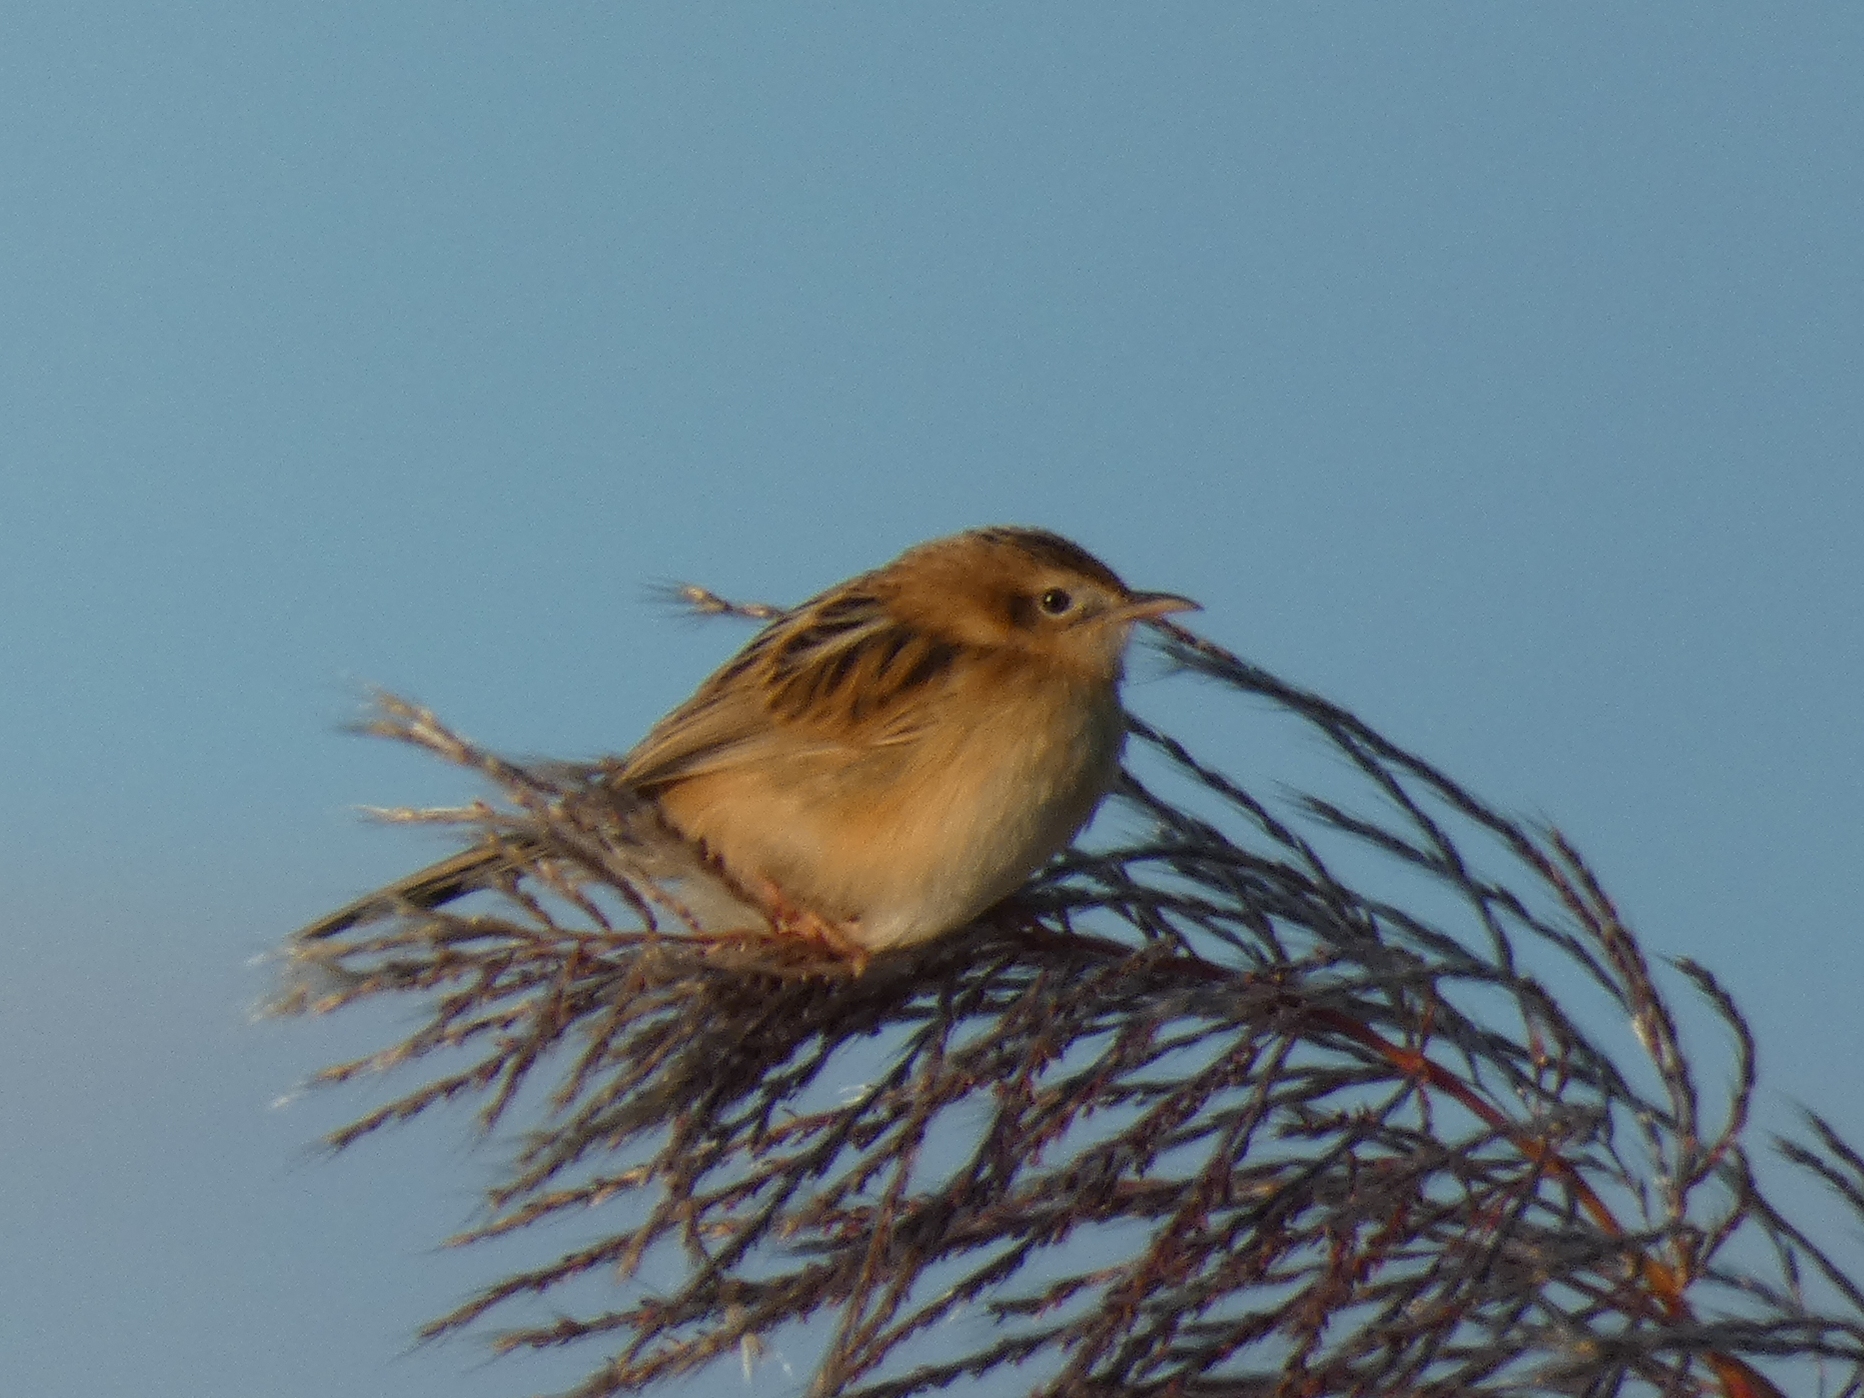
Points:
(787, 919)
(832, 937)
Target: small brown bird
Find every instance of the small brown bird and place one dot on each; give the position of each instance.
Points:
(886, 761)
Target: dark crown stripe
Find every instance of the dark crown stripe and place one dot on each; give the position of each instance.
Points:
(1053, 550)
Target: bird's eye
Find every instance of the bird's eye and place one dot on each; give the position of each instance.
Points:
(1057, 601)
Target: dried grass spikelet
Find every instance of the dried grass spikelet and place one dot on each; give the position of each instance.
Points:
(1198, 1113)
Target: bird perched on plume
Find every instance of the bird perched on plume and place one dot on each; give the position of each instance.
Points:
(886, 761)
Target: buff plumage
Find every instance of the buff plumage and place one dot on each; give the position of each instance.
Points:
(886, 761)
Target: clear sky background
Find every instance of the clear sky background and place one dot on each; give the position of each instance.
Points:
(1494, 369)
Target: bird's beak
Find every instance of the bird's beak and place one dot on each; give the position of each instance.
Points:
(1149, 606)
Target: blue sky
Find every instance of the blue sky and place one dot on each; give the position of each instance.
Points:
(1494, 369)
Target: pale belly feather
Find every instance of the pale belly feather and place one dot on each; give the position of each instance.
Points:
(900, 844)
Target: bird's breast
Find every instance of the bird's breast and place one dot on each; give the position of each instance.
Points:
(909, 839)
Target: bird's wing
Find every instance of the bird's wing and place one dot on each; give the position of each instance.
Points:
(836, 676)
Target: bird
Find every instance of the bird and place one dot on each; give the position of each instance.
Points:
(888, 760)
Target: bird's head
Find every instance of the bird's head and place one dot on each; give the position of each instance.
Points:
(1026, 591)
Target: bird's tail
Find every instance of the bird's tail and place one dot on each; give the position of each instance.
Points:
(437, 884)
